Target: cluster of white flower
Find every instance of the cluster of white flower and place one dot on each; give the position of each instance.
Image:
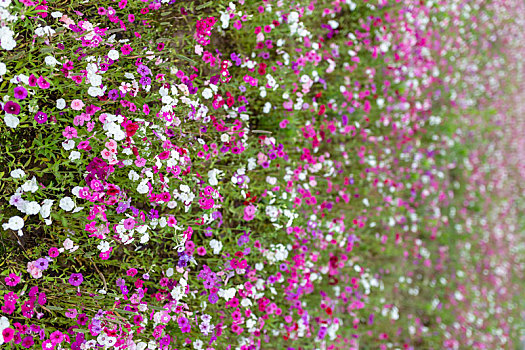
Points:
(27, 207)
(227, 294)
(112, 126)
(212, 176)
(7, 42)
(277, 252)
(184, 195)
(216, 246)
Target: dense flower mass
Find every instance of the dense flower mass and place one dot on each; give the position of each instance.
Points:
(330, 174)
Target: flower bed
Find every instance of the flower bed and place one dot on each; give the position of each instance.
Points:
(246, 175)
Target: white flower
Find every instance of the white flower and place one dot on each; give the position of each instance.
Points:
(95, 91)
(47, 30)
(68, 145)
(51, 61)
(133, 176)
(216, 246)
(103, 246)
(61, 103)
(113, 54)
(142, 346)
(56, 14)
(67, 204)
(207, 93)
(143, 187)
(30, 185)
(32, 208)
(225, 137)
(95, 80)
(197, 344)
(169, 272)
(45, 209)
(74, 155)
(145, 238)
(15, 223)
(227, 293)
(7, 43)
(177, 293)
(11, 120)
(212, 177)
(17, 174)
(3, 68)
(68, 244)
(267, 107)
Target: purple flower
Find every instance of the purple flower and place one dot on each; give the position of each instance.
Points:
(143, 70)
(183, 322)
(213, 298)
(145, 81)
(12, 107)
(120, 282)
(76, 279)
(42, 264)
(28, 342)
(113, 94)
(20, 92)
(41, 117)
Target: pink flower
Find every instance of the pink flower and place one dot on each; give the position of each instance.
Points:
(53, 252)
(12, 280)
(201, 251)
(126, 49)
(129, 224)
(33, 270)
(69, 132)
(77, 104)
(43, 83)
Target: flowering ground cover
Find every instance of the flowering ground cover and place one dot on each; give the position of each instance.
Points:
(262, 174)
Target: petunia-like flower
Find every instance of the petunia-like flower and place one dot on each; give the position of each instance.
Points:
(15, 223)
(12, 107)
(20, 92)
(43, 83)
(11, 121)
(12, 280)
(41, 263)
(77, 104)
(126, 49)
(76, 279)
(143, 70)
(41, 117)
(32, 80)
(69, 132)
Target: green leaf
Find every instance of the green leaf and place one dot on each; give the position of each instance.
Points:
(54, 308)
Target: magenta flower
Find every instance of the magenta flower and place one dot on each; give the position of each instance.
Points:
(20, 92)
(76, 279)
(32, 80)
(12, 107)
(12, 280)
(40, 117)
(53, 252)
(43, 83)
(126, 49)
